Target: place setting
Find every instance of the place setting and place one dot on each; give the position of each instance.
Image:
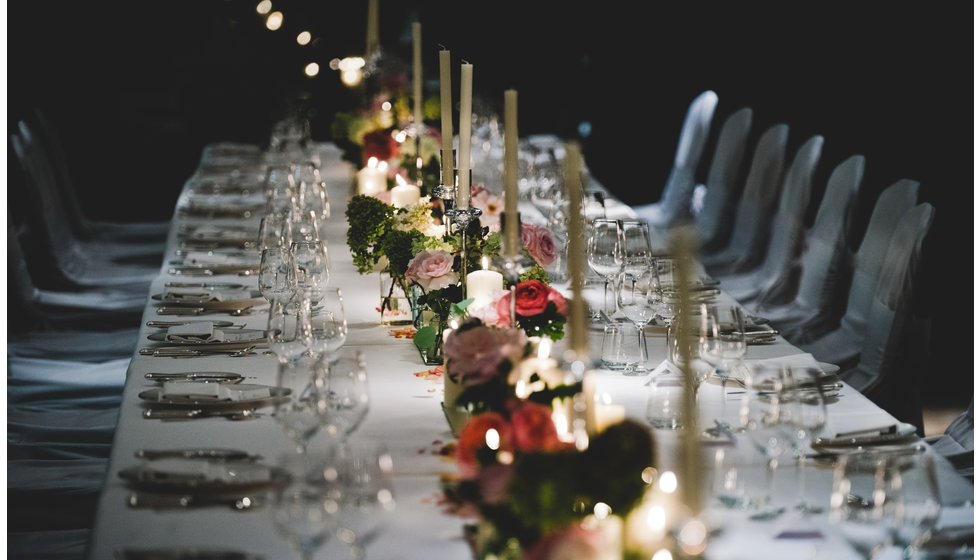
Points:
(207, 395)
(198, 338)
(214, 262)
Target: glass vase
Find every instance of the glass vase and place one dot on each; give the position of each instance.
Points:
(429, 326)
(395, 306)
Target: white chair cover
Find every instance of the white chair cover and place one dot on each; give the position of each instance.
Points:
(674, 206)
(956, 443)
(753, 214)
(823, 263)
(79, 262)
(882, 351)
(150, 235)
(776, 275)
(713, 220)
(843, 345)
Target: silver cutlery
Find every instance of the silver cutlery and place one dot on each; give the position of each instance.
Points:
(214, 454)
(170, 501)
(165, 324)
(183, 554)
(196, 413)
(180, 352)
(213, 376)
(177, 310)
(207, 285)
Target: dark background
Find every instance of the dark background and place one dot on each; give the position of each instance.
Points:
(137, 88)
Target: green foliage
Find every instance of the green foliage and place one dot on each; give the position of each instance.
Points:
(368, 221)
(536, 272)
(550, 323)
(397, 246)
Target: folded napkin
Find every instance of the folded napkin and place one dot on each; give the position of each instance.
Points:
(212, 391)
(802, 360)
(214, 232)
(212, 257)
(198, 295)
(210, 471)
(195, 332)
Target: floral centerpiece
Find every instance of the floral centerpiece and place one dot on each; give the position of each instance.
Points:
(412, 246)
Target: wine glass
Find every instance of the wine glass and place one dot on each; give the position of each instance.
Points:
(277, 276)
(303, 511)
(912, 497)
(637, 298)
(303, 411)
(722, 345)
(808, 412)
(289, 333)
(328, 322)
(275, 230)
(364, 491)
(637, 250)
(766, 418)
(605, 253)
(312, 271)
(279, 190)
(347, 397)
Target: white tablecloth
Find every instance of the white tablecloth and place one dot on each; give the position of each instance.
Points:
(406, 417)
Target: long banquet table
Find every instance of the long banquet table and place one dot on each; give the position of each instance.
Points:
(406, 417)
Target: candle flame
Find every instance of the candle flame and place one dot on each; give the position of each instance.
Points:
(544, 347)
(493, 439)
(400, 180)
(486, 263)
(372, 161)
(383, 165)
(668, 482)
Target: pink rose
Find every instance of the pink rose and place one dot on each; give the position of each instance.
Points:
(539, 242)
(488, 313)
(476, 352)
(534, 430)
(493, 481)
(491, 205)
(433, 270)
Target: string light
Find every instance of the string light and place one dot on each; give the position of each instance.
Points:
(303, 38)
(274, 21)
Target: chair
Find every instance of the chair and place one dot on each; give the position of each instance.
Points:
(775, 275)
(151, 236)
(887, 371)
(956, 443)
(754, 211)
(842, 345)
(824, 261)
(70, 262)
(674, 206)
(713, 219)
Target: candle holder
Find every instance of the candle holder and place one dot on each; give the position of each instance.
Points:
(463, 217)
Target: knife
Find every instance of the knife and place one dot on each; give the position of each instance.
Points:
(164, 324)
(217, 376)
(195, 413)
(170, 310)
(182, 554)
(169, 501)
(214, 454)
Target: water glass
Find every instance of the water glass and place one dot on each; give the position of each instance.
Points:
(623, 349)
(665, 402)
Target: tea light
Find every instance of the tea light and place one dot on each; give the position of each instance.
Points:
(404, 194)
(373, 178)
(481, 284)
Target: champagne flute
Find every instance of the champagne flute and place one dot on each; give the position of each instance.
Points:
(328, 322)
(348, 398)
(303, 511)
(605, 254)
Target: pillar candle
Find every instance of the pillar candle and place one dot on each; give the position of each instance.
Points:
(446, 100)
(481, 284)
(417, 71)
(405, 194)
(465, 124)
(372, 28)
(578, 339)
(511, 235)
(372, 179)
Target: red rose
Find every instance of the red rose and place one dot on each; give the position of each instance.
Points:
(534, 430)
(474, 437)
(380, 144)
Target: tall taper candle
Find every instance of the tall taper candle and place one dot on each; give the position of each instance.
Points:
(465, 124)
(446, 100)
(372, 28)
(511, 235)
(578, 338)
(417, 72)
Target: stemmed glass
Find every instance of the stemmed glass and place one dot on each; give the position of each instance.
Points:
(766, 418)
(347, 398)
(275, 230)
(277, 276)
(722, 345)
(328, 322)
(364, 491)
(303, 411)
(605, 253)
(289, 333)
(303, 511)
(279, 190)
(808, 412)
(885, 497)
(637, 298)
(637, 250)
(312, 270)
